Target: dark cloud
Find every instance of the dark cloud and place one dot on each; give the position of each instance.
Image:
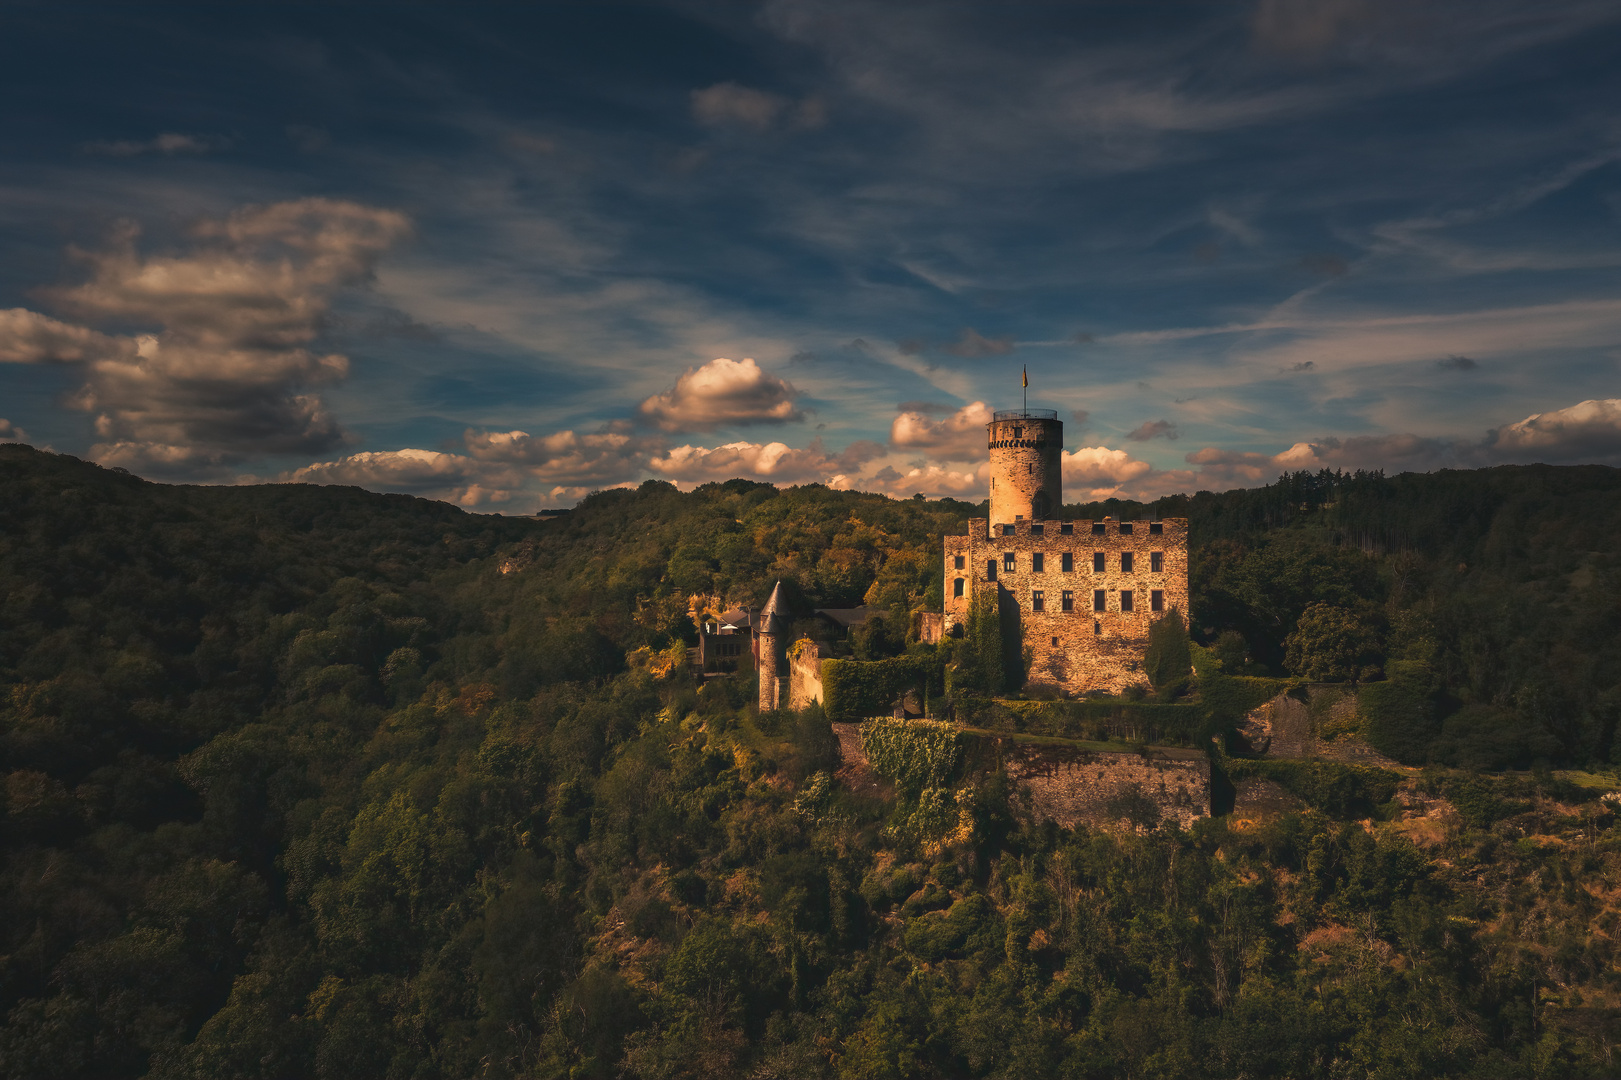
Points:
(228, 372)
(911, 346)
(1457, 363)
(1304, 365)
(1153, 429)
(1082, 338)
(1080, 416)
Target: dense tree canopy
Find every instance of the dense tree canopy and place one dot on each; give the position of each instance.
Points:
(314, 782)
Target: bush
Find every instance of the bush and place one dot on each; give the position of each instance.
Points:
(1336, 790)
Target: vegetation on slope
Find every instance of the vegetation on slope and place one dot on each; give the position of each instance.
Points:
(298, 783)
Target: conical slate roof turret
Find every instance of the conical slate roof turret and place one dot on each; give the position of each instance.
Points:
(774, 616)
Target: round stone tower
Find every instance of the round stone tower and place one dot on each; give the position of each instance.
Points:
(770, 650)
(1027, 447)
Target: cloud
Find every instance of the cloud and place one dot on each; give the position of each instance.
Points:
(973, 344)
(1080, 416)
(225, 370)
(720, 393)
(1153, 429)
(168, 143)
(27, 337)
(10, 432)
(430, 473)
(932, 480)
(1457, 363)
(308, 139)
(774, 461)
(728, 104)
(564, 457)
(1588, 431)
(1304, 365)
(957, 437)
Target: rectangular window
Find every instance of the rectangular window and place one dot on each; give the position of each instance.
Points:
(1067, 528)
(1155, 528)
(1125, 599)
(1068, 600)
(990, 569)
(1098, 565)
(1066, 562)
(956, 562)
(1097, 528)
(1156, 562)
(957, 587)
(1100, 600)
(1156, 599)
(1007, 530)
(1037, 528)
(1008, 563)
(1038, 563)
(1125, 562)
(1125, 528)
(1037, 601)
(1055, 643)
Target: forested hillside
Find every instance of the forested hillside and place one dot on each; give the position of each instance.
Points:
(298, 782)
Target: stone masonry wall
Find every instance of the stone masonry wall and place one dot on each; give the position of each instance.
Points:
(1026, 459)
(804, 673)
(1080, 649)
(1105, 790)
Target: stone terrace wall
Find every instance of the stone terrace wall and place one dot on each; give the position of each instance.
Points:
(1074, 787)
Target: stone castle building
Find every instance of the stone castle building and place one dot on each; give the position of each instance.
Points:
(1081, 593)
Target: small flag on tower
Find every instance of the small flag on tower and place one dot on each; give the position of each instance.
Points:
(1027, 375)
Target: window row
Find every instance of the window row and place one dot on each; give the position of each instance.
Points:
(1100, 600)
(1099, 528)
(1066, 563)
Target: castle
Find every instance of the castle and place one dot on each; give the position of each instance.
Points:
(1082, 593)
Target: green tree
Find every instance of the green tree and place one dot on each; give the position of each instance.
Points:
(1333, 644)
(1169, 658)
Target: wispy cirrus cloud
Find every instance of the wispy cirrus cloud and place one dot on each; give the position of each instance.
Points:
(168, 143)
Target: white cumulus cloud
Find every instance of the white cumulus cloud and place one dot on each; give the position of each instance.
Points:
(721, 393)
(958, 437)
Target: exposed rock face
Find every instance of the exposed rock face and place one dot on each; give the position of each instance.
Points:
(1318, 728)
(1108, 790)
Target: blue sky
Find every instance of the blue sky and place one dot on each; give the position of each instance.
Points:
(507, 254)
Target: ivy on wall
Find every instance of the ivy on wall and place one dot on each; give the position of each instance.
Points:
(852, 689)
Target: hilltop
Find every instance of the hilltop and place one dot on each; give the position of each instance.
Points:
(319, 782)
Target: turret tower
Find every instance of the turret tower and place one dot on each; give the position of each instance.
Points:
(1027, 448)
(770, 650)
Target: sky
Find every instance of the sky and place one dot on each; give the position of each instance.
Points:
(508, 254)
